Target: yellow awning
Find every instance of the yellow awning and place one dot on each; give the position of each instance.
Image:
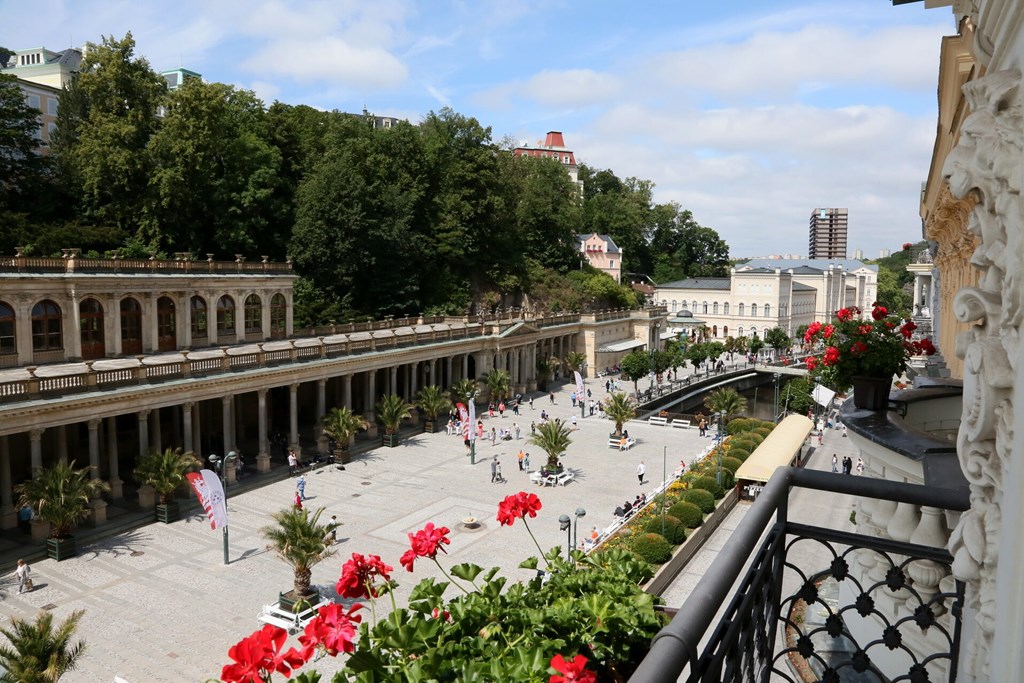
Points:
(777, 450)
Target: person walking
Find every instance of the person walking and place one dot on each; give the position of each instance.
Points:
(300, 486)
(494, 437)
(293, 462)
(526, 463)
(844, 431)
(860, 466)
(531, 403)
(298, 500)
(835, 463)
(497, 472)
(494, 470)
(572, 398)
(574, 426)
(332, 529)
(533, 428)
(23, 572)
(551, 397)
(641, 470)
(515, 428)
(520, 457)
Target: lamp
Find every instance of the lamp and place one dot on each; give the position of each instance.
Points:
(565, 524)
(580, 512)
(221, 465)
(775, 406)
(720, 417)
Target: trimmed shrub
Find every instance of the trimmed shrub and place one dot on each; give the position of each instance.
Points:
(701, 498)
(755, 437)
(651, 547)
(675, 532)
(687, 513)
(745, 442)
(709, 484)
(731, 464)
(740, 454)
(762, 431)
(728, 480)
(764, 424)
(739, 425)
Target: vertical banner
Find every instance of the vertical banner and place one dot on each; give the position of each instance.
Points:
(464, 418)
(472, 420)
(580, 391)
(210, 493)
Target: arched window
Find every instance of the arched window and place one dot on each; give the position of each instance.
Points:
(8, 340)
(725, 308)
(131, 326)
(166, 324)
(705, 307)
(278, 317)
(739, 330)
(714, 330)
(767, 310)
(46, 327)
(200, 322)
(253, 314)
(725, 330)
(753, 332)
(741, 310)
(753, 310)
(673, 305)
(225, 316)
(694, 305)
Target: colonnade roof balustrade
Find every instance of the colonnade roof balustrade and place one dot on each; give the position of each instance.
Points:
(182, 264)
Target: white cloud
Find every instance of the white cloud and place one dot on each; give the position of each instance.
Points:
(571, 87)
(331, 60)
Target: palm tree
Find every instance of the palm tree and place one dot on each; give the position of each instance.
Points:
(165, 472)
(300, 540)
(497, 382)
(36, 652)
(552, 437)
(391, 410)
(574, 360)
(727, 401)
(619, 408)
(432, 401)
(545, 368)
(464, 391)
(341, 424)
(60, 495)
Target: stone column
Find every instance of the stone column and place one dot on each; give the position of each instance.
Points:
(197, 432)
(226, 426)
(465, 365)
(8, 514)
(186, 427)
(263, 457)
(412, 384)
(143, 432)
(62, 442)
(293, 417)
(448, 371)
(321, 410)
(346, 391)
(371, 402)
(157, 432)
(432, 373)
(116, 485)
(393, 380)
(98, 506)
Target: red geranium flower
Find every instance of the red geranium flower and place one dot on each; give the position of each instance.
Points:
(845, 314)
(829, 331)
(908, 329)
(865, 329)
(926, 347)
(812, 329)
(879, 312)
(357, 576)
(572, 672)
(858, 348)
(425, 543)
(811, 362)
(831, 356)
(333, 629)
(259, 655)
(517, 507)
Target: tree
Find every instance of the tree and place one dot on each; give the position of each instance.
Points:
(797, 395)
(714, 350)
(635, 365)
(755, 344)
(497, 382)
(726, 401)
(552, 437)
(341, 424)
(36, 652)
(464, 390)
(60, 495)
(21, 165)
(545, 368)
(731, 345)
(432, 400)
(686, 249)
(697, 354)
(777, 338)
(165, 471)
(574, 361)
(300, 540)
(391, 410)
(620, 409)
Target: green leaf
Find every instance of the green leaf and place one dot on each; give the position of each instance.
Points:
(466, 571)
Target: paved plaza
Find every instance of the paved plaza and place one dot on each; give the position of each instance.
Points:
(160, 605)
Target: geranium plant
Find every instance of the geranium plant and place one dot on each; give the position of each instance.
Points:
(582, 620)
(852, 347)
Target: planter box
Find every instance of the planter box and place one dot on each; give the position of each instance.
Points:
(389, 440)
(60, 548)
(287, 601)
(342, 456)
(168, 513)
(430, 426)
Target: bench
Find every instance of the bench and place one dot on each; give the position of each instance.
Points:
(682, 424)
(292, 622)
(565, 477)
(657, 421)
(617, 443)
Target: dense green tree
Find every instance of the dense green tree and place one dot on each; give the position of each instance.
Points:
(104, 122)
(890, 292)
(777, 338)
(796, 395)
(37, 652)
(755, 344)
(20, 162)
(635, 365)
(683, 248)
(621, 209)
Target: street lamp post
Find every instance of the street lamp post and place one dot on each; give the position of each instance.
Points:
(580, 512)
(775, 406)
(565, 524)
(664, 478)
(222, 464)
(720, 416)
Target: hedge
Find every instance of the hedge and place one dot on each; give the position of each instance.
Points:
(701, 498)
(740, 425)
(709, 484)
(731, 464)
(762, 431)
(675, 532)
(740, 454)
(653, 548)
(687, 513)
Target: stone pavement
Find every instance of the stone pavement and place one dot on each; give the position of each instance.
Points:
(160, 605)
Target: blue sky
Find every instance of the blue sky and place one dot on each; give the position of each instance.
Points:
(748, 113)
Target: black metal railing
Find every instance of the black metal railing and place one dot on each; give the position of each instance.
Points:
(765, 634)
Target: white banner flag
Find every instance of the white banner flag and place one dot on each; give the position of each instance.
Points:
(580, 391)
(210, 493)
(472, 419)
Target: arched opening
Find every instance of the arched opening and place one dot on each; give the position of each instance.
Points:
(753, 310)
(714, 330)
(131, 326)
(90, 314)
(47, 333)
(725, 308)
(278, 317)
(199, 320)
(741, 310)
(166, 324)
(714, 308)
(225, 317)
(8, 339)
(767, 310)
(725, 330)
(253, 315)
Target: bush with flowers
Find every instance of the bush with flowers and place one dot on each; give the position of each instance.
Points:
(879, 347)
(582, 620)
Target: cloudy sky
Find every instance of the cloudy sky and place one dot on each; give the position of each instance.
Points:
(750, 113)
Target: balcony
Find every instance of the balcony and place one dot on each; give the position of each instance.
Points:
(791, 599)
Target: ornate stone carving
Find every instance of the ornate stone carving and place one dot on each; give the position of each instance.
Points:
(986, 164)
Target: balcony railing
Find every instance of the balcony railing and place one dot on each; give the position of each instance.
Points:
(892, 612)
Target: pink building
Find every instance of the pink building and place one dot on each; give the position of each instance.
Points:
(602, 253)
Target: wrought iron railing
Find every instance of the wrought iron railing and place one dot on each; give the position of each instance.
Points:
(766, 630)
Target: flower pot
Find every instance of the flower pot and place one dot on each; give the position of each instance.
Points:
(60, 548)
(342, 456)
(287, 601)
(168, 513)
(389, 440)
(430, 426)
(871, 393)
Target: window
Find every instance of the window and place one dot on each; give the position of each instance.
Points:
(33, 101)
(166, 329)
(225, 316)
(611, 264)
(725, 330)
(199, 317)
(739, 330)
(767, 310)
(278, 316)
(51, 106)
(725, 308)
(753, 332)
(705, 307)
(753, 310)
(131, 321)
(673, 305)
(741, 311)
(714, 308)
(253, 314)
(7, 339)
(714, 330)
(46, 327)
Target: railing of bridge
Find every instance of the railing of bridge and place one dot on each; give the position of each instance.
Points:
(764, 630)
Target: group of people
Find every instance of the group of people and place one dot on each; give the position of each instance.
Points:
(629, 507)
(847, 464)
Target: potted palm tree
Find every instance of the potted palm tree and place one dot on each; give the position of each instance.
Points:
(432, 401)
(341, 424)
(545, 369)
(391, 410)
(60, 496)
(165, 472)
(725, 401)
(36, 652)
(620, 409)
(464, 391)
(301, 541)
(552, 437)
(574, 361)
(497, 382)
